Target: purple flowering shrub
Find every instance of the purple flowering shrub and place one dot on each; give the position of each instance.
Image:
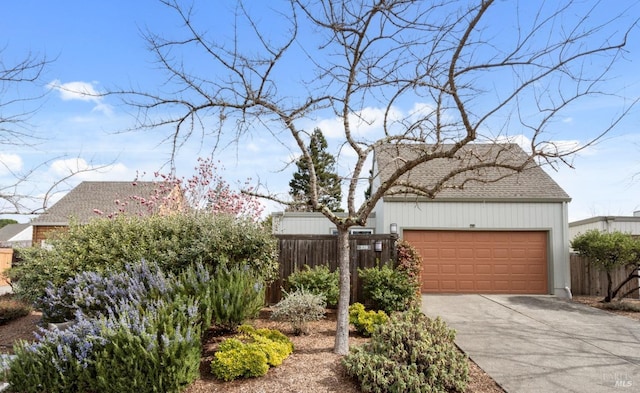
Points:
(94, 293)
(136, 330)
(129, 350)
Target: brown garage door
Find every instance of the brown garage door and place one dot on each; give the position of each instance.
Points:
(481, 262)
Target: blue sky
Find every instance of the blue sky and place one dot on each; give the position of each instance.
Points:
(97, 45)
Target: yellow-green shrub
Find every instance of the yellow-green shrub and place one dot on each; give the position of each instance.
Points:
(250, 354)
(364, 321)
(235, 359)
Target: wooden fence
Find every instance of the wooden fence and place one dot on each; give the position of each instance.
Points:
(6, 255)
(589, 281)
(295, 251)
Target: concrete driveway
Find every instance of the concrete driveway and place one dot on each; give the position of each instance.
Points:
(542, 343)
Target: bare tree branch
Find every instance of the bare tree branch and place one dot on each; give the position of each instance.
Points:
(475, 80)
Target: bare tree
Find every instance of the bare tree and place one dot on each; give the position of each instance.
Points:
(15, 112)
(483, 71)
(20, 99)
(14, 108)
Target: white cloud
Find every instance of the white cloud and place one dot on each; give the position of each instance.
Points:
(90, 171)
(83, 91)
(363, 123)
(252, 147)
(103, 108)
(10, 163)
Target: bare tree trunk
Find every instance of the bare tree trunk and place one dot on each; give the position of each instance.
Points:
(608, 298)
(341, 346)
(633, 274)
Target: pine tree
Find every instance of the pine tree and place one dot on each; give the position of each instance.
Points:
(327, 181)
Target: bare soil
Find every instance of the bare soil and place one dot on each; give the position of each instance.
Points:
(596, 301)
(312, 368)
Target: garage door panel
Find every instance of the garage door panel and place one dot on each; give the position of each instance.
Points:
(466, 285)
(465, 253)
(466, 269)
(448, 269)
(483, 253)
(482, 261)
(447, 253)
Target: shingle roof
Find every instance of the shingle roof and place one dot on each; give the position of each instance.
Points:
(83, 202)
(11, 230)
(492, 183)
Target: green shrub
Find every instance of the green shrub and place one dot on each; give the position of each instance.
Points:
(237, 295)
(11, 309)
(299, 308)
(364, 321)
(133, 332)
(163, 356)
(319, 280)
(388, 289)
(172, 241)
(411, 353)
(250, 354)
(96, 294)
(152, 350)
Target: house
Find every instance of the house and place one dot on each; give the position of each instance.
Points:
(16, 235)
(94, 199)
(587, 278)
(503, 232)
(624, 224)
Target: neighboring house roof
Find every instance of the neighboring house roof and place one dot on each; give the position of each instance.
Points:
(12, 233)
(624, 224)
(90, 198)
(591, 220)
(491, 183)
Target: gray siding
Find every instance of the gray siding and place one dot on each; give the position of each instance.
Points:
(551, 217)
(309, 224)
(547, 216)
(625, 225)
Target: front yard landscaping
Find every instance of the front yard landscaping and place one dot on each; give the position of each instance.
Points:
(312, 367)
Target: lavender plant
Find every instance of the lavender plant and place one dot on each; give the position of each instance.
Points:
(59, 361)
(94, 293)
(129, 350)
(135, 331)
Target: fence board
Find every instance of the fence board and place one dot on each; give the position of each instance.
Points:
(295, 251)
(587, 280)
(6, 255)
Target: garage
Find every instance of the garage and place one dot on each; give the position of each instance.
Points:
(513, 262)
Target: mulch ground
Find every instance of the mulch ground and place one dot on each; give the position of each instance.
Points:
(313, 367)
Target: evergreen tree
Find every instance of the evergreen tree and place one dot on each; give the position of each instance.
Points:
(327, 181)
